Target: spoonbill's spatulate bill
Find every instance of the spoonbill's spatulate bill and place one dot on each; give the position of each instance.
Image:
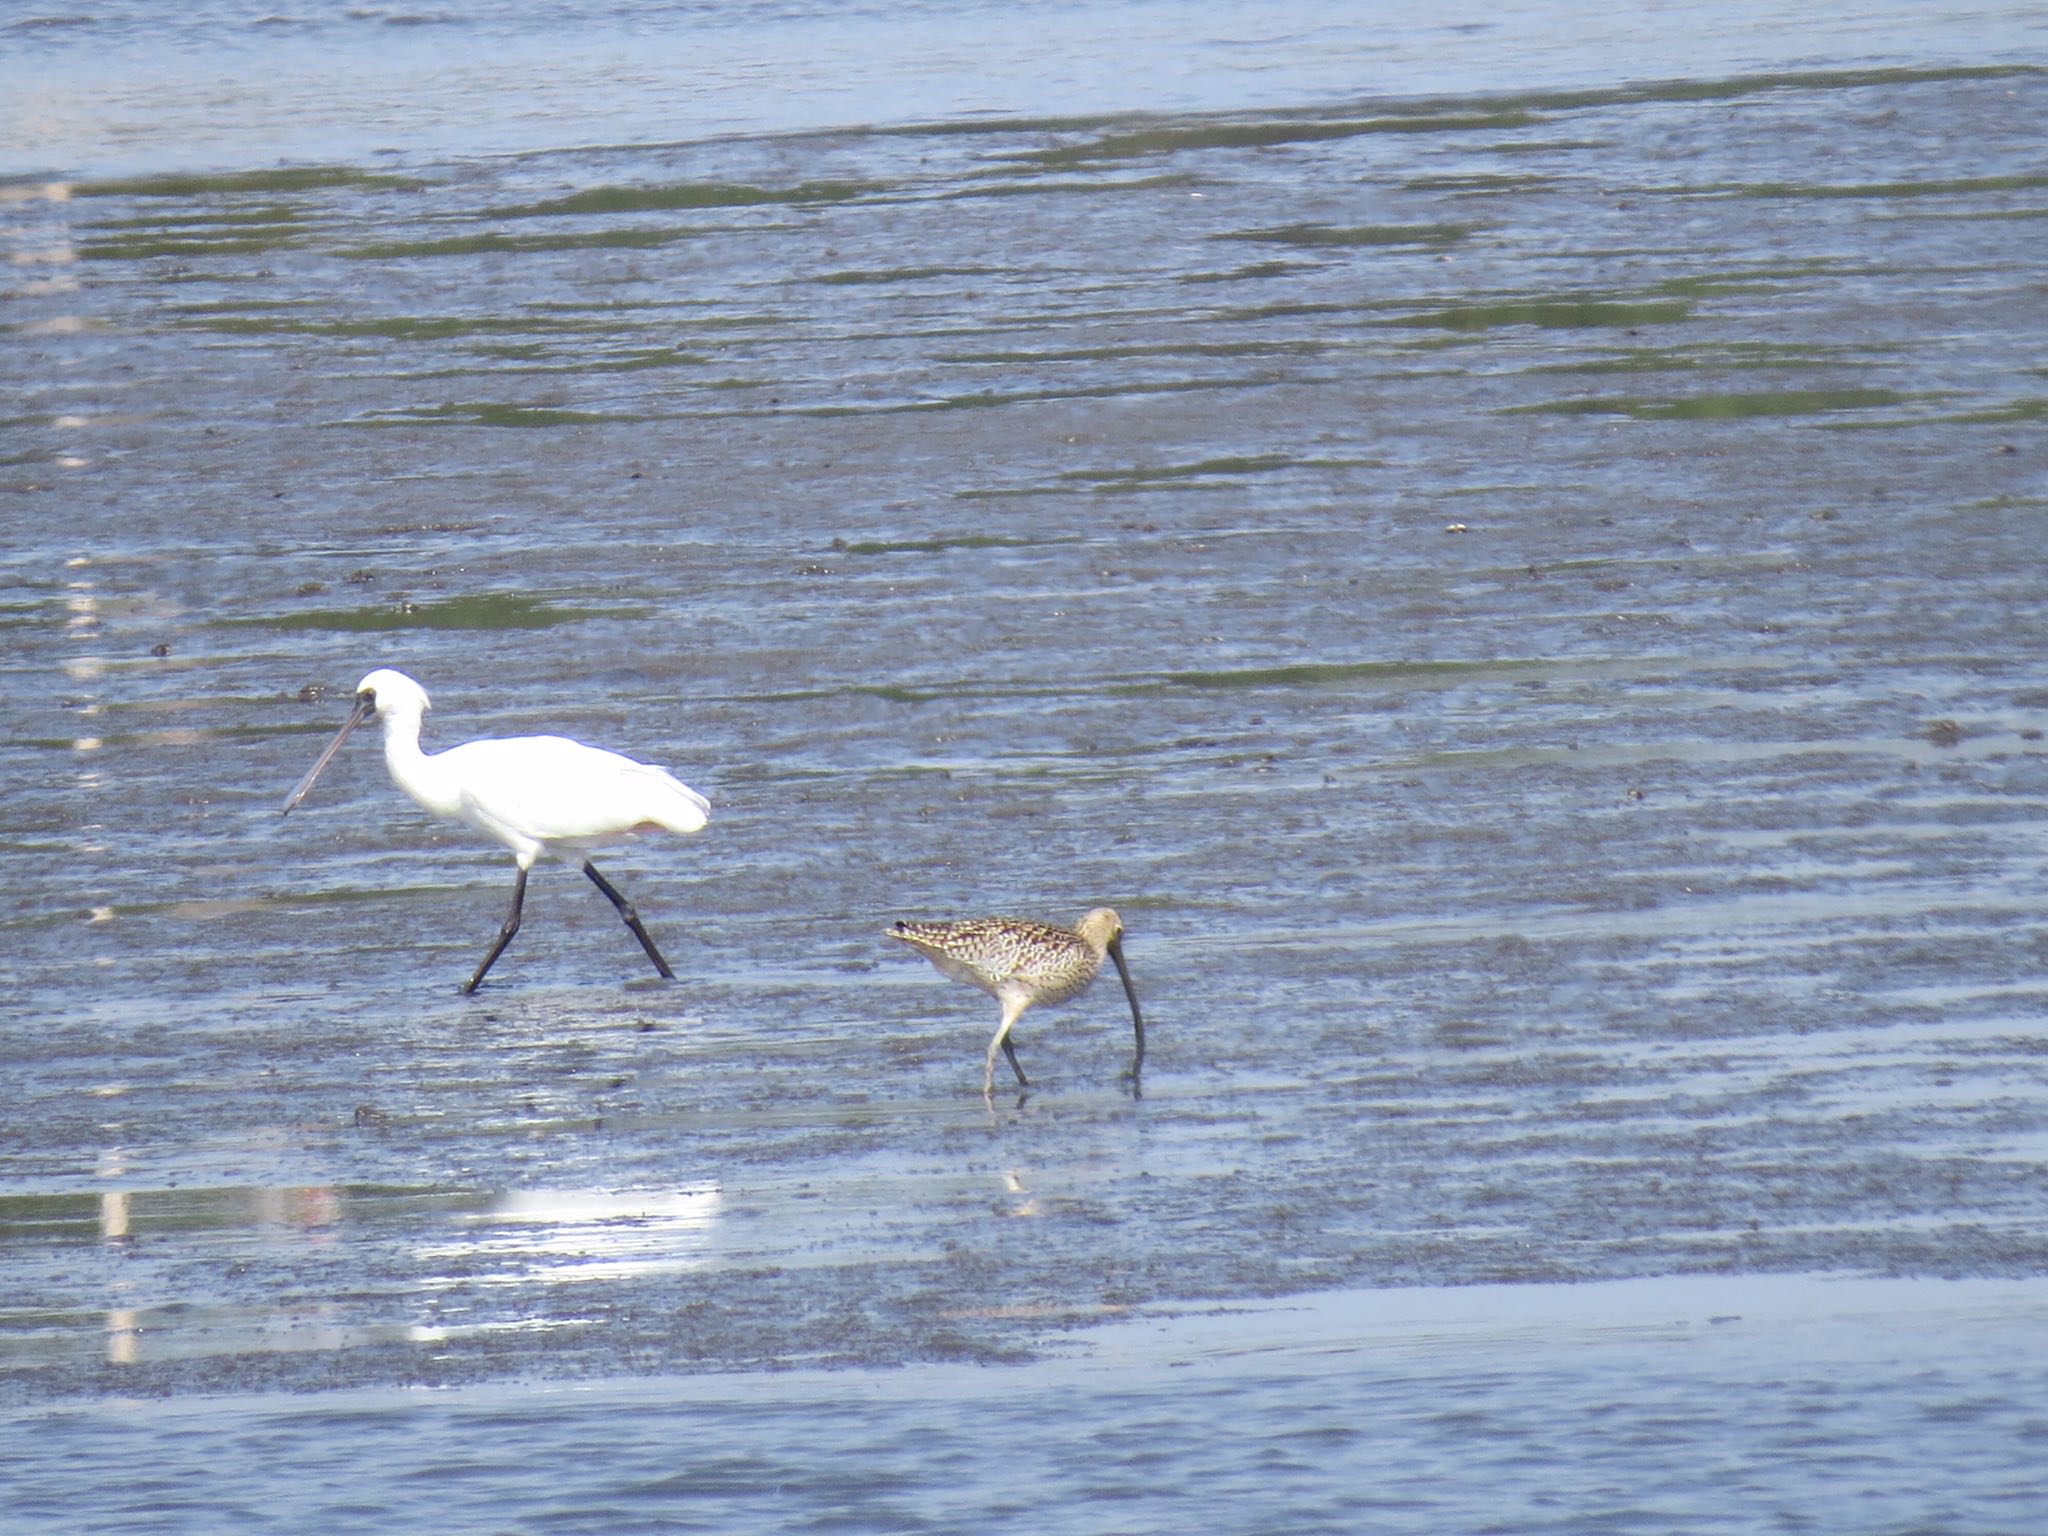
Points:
(1022, 963)
(535, 794)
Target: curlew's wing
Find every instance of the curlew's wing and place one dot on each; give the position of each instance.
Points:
(988, 951)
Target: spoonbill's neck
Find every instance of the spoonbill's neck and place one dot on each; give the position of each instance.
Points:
(411, 769)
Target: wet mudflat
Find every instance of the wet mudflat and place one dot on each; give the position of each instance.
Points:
(1526, 603)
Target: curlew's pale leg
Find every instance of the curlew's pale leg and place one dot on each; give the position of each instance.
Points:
(632, 918)
(1011, 1009)
(504, 934)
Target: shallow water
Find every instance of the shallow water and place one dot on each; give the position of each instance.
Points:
(1523, 599)
(122, 87)
(1739, 1404)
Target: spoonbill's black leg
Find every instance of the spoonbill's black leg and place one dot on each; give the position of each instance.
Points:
(632, 918)
(504, 934)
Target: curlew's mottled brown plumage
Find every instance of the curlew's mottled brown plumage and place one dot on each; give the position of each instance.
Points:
(1021, 963)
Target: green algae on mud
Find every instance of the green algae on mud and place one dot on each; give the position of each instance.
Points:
(476, 611)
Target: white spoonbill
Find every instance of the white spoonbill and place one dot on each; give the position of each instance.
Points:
(534, 794)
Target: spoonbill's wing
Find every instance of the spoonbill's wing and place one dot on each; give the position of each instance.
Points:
(556, 791)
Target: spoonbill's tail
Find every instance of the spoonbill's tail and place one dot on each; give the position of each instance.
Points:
(665, 801)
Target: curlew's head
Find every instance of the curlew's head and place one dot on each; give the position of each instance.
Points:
(1103, 931)
(390, 696)
(1100, 928)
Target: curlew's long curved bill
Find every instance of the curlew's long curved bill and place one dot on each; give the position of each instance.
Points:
(1116, 953)
(364, 704)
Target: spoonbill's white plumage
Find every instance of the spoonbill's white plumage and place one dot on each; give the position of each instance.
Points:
(535, 794)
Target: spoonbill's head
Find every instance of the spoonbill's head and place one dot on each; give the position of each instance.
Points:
(391, 693)
(384, 693)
